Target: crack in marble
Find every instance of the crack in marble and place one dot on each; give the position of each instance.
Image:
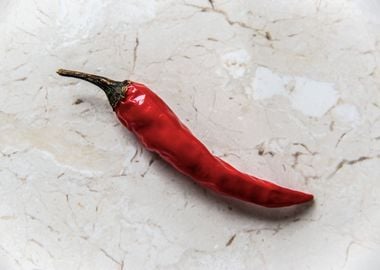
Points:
(268, 36)
(227, 18)
(19, 66)
(262, 151)
(109, 256)
(193, 104)
(78, 101)
(50, 228)
(331, 126)
(83, 136)
(42, 12)
(41, 20)
(306, 148)
(295, 163)
(10, 255)
(229, 154)
(21, 79)
(296, 155)
(9, 155)
(153, 158)
(344, 162)
(22, 178)
(341, 137)
(212, 4)
(73, 215)
(288, 19)
(347, 252)
(232, 238)
(32, 240)
(275, 229)
(26, 32)
(135, 48)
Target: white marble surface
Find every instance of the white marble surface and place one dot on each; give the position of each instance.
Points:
(287, 90)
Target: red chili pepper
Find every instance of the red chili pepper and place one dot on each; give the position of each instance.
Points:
(159, 130)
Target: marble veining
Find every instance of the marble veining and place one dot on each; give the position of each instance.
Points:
(286, 90)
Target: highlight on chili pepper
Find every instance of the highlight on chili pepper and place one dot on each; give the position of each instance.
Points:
(158, 129)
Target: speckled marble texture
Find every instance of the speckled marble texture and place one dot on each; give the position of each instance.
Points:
(286, 90)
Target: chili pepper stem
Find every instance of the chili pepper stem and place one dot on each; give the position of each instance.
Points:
(115, 90)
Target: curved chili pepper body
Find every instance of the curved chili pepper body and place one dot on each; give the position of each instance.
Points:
(159, 130)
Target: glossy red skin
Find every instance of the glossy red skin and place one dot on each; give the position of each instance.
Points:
(160, 131)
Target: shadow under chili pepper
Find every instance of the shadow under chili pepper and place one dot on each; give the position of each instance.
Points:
(273, 214)
(237, 207)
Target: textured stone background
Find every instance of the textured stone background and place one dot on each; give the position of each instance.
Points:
(287, 90)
